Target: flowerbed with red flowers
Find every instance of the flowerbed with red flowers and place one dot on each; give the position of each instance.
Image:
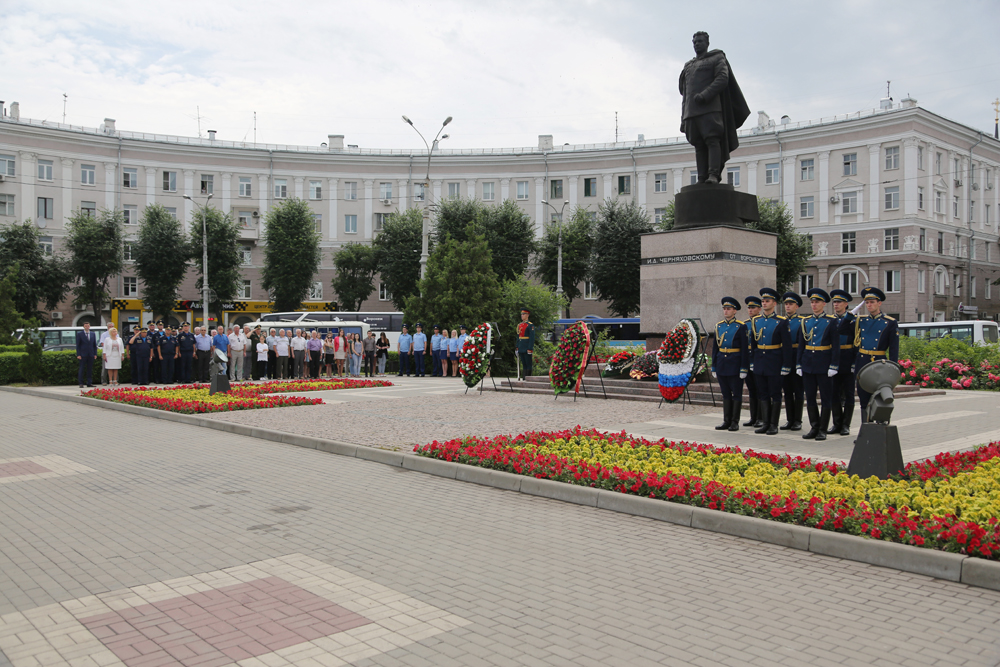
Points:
(570, 359)
(951, 503)
(949, 374)
(473, 359)
(676, 359)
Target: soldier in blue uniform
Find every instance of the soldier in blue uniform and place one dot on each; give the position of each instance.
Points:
(154, 340)
(771, 347)
(132, 357)
(142, 349)
(843, 382)
(792, 383)
(756, 419)
(419, 348)
(730, 363)
(876, 336)
(436, 351)
(818, 361)
(404, 346)
(185, 343)
(166, 352)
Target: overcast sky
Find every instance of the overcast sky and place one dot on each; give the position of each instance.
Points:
(506, 72)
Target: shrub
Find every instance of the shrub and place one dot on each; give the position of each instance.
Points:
(57, 368)
(31, 362)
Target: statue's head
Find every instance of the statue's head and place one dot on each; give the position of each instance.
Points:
(700, 41)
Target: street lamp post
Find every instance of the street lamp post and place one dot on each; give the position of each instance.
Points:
(559, 286)
(425, 234)
(204, 257)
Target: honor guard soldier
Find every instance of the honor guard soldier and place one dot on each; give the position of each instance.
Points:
(818, 361)
(843, 382)
(792, 383)
(185, 343)
(142, 349)
(876, 336)
(166, 352)
(730, 363)
(756, 419)
(771, 345)
(525, 342)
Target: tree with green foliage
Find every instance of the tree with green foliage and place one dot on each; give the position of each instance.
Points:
(577, 241)
(459, 288)
(11, 318)
(508, 231)
(291, 254)
(356, 265)
(96, 245)
(545, 306)
(161, 253)
(617, 251)
(666, 222)
(397, 254)
(42, 278)
(224, 258)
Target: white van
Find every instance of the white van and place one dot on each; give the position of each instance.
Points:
(968, 331)
(60, 338)
(308, 325)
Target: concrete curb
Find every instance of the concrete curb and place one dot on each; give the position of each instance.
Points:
(939, 564)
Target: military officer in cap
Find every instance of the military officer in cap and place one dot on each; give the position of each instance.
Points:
(756, 419)
(792, 384)
(525, 342)
(436, 351)
(142, 349)
(132, 357)
(166, 352)
(842, 402)
(185, 344)
(818, 361)
(153, 334)
(876, 336)
(404, 347)
(730, 363)
(771, 345)
(419, 348)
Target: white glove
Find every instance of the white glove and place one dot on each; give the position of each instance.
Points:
(785, 372)
(798, 371)
(743, 376)
(831, 372)
(715, 375)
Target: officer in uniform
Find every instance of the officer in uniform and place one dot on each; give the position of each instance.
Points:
(436, 351)
(730, 363)
(756, 419)
(876, 336)
(132, 356)
(771, 347)
(185, 343)
(404, 346)
(792, 383)
(525, 342)
(154, 341)
(818, 361)
(142, 350)
(843, 382)
(419, 348)
(166, 352)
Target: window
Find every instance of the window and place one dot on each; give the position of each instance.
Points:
(45, 208)
(849, 201)
(958, 286)
(940, 243)
(454, 190)
(131, 213)
(592, 216)
(246, 291)
(380, 220)
(892, 283)
(624, 185)
(45, 243)
(923, 239)
(522, 189)
(488, 191)
(89, 208)
(972, 211)
(385, 190)
(130, 287)
(920, 198)
(892, 157)
(938, 201)
(45, 170)
(937, 164)
(772, 173)
(6, 204)
(7, 165)
(419, 192)
(939, 280)
(956, 169)
(246, 255)
(921, 281)
(989, 289)
(127, 251)
(130, 177)
(972, 244)
(805, 282)
(590, 187)
(351, 224)
(555, 189)
(848, 243)
(658, 214)
(383, 292)
(972, 287)
(88, 174)
(806, 205)
(849, 281)
(315, 189)
(245, 218)
(207, 184)
(589, 291)
(318, 222)
(806, 169)
(316, 291)
(733, 176)
(954, 206)
(850, 164)
(246, 186)
(892, 198)
(170, 181)
(659, 181)
(693, 176)
(350, 190)
(920, 158)
(892, 238)
(281, 188)
(172, 211)
(986, 214)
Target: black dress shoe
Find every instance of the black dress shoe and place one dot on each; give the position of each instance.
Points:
(820, 436)
(845, 431)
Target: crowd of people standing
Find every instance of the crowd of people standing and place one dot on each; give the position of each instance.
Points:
(442, 347)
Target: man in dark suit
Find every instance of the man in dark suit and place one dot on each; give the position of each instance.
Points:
(86, 351)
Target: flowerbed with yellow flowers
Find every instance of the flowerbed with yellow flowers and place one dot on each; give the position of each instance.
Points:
(194, 398)
(951, 503)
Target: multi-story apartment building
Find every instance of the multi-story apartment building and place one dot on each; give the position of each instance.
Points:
(896, 197)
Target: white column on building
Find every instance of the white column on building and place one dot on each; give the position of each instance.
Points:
(752, 177)
(910, 179)
(470, 186)
(437, 191)
(823, 205)
(929, 155)
(402, 194)
(110, 169)
(227, 191)
(334, 222)
(949, 176)
(150, 186)
(262, 199)
(873, 180)
(188, 204)
(574, 191)
(788, 178)
(678, 180)
(369, 212)
(981, 194)
(504, 189)
(642, 188)
(29, 172)
(298, 186)
(608, 188)
(540, 207)
(996, 199)
(965, 192)
(67, 189)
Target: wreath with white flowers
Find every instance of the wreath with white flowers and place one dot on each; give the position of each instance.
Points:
(676, 359)
(474, 358)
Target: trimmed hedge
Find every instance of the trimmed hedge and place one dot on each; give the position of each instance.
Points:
(58, 368)
(11, 348)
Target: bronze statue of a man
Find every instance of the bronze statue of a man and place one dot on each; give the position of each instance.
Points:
(713, 109)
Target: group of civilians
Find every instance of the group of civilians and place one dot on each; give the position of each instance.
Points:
(444, 348)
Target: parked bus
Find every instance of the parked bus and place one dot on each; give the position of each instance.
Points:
(390, 323)
(967, 331)
(623, 331)
(347, 327)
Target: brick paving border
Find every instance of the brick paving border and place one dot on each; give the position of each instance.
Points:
(939, 564)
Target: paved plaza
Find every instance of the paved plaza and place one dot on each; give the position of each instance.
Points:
(127, 540)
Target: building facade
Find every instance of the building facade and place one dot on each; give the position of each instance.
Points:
(897, 197)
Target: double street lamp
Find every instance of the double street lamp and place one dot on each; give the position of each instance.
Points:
(204, 256)
(559, 286)
(425, 234)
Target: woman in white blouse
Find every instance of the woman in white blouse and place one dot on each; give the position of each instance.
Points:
(112, 351)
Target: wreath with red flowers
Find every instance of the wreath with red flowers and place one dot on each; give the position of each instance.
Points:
(473, 358)
(570, 359)
(676, 358)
